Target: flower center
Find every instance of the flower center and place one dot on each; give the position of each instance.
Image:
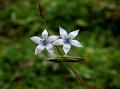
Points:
(44, 42)
(67, 40)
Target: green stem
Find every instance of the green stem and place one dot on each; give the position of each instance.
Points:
(76, 74)
(69, 66)
(59, 51)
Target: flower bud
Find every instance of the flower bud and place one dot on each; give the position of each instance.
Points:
(41, 10)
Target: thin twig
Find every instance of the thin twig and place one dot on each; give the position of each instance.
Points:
(78, 77)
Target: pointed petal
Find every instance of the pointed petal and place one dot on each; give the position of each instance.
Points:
(44, 34)
(36, 39)
(73, 34)
(63, 32)
(76, 43)
(39, 49)
(52, 38)
(58, 42)
(66, 48)
(49, 48)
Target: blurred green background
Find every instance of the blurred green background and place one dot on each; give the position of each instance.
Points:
(99, 21)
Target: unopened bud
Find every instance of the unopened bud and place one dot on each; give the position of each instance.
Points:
(41, 10)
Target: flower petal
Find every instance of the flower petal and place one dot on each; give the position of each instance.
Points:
(52, 38)
(58, 42)
(76, 43)
(66, 48)
(44, 34)
(39, 49)
(49, 48)
(36, 39)
(73, 34)
(63, 32)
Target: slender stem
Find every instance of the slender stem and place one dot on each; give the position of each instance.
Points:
(69, 66)
(44, 22)
(78, 77)
(58, 51)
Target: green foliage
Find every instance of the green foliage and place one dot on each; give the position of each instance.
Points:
(98, 21)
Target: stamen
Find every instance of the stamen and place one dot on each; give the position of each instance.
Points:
(67, 40)
(44, 42)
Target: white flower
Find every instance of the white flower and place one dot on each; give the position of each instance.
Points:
(67, 40)
(44, 42)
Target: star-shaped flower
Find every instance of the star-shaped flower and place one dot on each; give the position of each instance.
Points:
(67, 40)
(44, 42)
